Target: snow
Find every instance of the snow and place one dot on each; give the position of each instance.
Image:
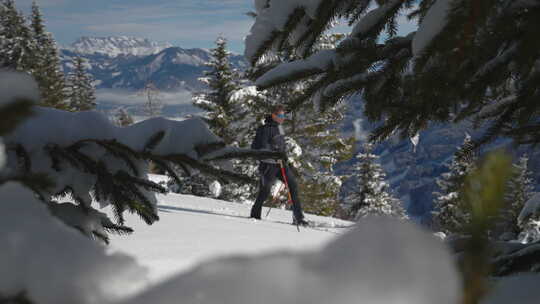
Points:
(188, 59)
(17, 85)
(55, 264)
(50, 128)
(431, 26)
(193, 230)
(279, 11)
(207, 251)
(367, 22)
(273, 19)
(398, 264)
(243, 93)
(65, 128)
(415, 140)
(531, 208)
(87, 221)
(215, 188)
(116, 46)
(322, 61)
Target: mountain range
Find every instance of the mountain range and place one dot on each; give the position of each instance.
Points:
(130, 63)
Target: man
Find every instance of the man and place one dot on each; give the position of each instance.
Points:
(270, 137)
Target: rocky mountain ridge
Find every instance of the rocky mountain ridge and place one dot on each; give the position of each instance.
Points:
(117, 45)
(131, 63)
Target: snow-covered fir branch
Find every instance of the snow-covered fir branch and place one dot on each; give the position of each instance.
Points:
(442, 61)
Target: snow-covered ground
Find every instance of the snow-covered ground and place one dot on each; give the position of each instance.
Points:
(204, 250)
(194, 229)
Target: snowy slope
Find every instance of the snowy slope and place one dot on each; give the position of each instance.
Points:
(193, 229)
(207, 251)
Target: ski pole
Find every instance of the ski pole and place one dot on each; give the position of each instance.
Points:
(274, 199)
(288, 190)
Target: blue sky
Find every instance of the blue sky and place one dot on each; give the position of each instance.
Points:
(185, 23)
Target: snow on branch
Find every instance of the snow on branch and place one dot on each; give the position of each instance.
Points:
(51, 263)
(531, 208)
(318, 63)
(491, 66)
(17, 86)
(90, 159)
(375, 18)
(341, 86)
(273, 20)
(432, 24)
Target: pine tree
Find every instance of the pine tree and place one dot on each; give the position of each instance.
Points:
(372, 197)
(467, 60)
(80, 91)
(46, 64)
(220, 111)
(450, 214)
(222, 82)
(17, 48)
(518, 192)
(322, 145)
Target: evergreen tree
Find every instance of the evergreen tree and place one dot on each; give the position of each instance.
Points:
(467, 60)
(322, 146)
(222, 82)
(518, 192)
(102, 168)
(221, 110)
(80, 91)
(192, 183)
(249, 107)
(46, 64)
(372, 196)
(17, 48)
(450, 214)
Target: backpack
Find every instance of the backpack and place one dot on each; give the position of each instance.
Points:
(257, 141)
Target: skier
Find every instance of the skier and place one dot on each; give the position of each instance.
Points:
(270, 137)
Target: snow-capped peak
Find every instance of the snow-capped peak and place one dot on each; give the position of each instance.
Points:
(118, 45)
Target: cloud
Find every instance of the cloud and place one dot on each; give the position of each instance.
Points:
(186, 23)
(124, 28)
(236, 30)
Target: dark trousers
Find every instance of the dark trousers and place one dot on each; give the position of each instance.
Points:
(269, 174)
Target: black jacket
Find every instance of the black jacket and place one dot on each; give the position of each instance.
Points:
(268, 137)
